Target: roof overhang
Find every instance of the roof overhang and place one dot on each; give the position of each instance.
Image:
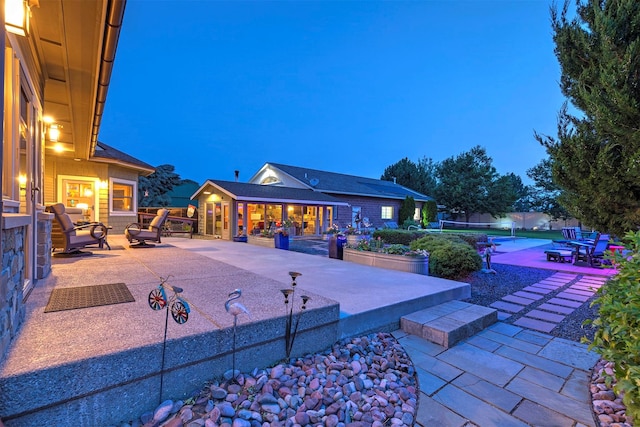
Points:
(76, 42)
(142, 170)
(244, 198)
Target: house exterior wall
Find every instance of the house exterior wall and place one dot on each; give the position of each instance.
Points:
(55, 167)
(12, 309)
(22, 80)
(371, 208)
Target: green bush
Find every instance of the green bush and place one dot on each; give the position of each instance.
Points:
(617, 334)
(429, 212)
(472, 239)
(400, 237)
(407, 209)
(450, 257)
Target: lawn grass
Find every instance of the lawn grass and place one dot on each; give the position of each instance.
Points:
(531, 234)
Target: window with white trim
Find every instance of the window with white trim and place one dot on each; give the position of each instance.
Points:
(387, 212)
(122, 196)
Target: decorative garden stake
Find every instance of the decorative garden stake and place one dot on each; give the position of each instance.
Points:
(235, 309)
(179, 311)
(291, 328)
(488, 250)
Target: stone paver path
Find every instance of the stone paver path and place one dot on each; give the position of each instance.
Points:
(543, 305)
(502, 376)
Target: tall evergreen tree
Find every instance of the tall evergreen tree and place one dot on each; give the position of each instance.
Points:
(153, 190)
(596, 154)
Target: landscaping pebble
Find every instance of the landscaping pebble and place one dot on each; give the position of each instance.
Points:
(361, 381)
(607, 405)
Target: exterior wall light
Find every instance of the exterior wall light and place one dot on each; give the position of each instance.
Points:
(54, 132)
(17, 14)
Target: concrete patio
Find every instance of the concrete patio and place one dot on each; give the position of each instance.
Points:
(101, 365)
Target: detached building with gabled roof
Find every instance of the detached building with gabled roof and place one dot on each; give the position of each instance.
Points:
(313, 199)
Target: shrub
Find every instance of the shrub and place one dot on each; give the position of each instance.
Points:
(429, 212)
(401, 237)
(617, 334)
(407, 209)
(450, 257)
(472, 239)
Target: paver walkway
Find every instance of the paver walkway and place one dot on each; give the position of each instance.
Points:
(502, 376)
(543, 305)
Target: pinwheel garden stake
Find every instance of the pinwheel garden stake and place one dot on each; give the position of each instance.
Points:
(179, 311)
(291, 327)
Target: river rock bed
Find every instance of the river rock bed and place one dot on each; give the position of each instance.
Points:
(365, 381)
(607, 405)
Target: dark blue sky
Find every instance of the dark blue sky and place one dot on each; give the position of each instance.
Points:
(345, 86)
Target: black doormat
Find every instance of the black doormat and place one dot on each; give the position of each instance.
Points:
(88, 296)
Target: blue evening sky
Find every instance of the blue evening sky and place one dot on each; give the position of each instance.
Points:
(344, 86)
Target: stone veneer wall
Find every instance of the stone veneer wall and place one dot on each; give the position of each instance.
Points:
(45, 225)
(12, 309)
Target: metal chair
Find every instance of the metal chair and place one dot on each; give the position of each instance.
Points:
(76, 237)
(136, 231)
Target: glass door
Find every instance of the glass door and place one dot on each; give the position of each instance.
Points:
(225, 221)
(208, 219)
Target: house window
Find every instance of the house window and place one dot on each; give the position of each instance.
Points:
(387, 212)
(122, 197)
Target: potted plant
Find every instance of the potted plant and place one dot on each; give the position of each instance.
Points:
(240, 237)
(281, 235)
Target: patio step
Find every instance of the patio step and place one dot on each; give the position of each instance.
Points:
(449, 323)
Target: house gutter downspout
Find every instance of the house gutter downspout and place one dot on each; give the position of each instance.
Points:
(115, 15)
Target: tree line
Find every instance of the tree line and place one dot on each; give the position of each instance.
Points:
(469, 183)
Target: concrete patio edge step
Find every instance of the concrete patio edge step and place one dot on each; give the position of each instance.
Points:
(449, 323)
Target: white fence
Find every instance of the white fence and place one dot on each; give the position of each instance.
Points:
(525, 220)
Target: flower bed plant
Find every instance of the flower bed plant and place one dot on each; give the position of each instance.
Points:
(617, 334)
(395, 257)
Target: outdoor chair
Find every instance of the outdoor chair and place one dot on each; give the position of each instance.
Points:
(592, 253)
(76, 237)
(136, 231)
(568, 236)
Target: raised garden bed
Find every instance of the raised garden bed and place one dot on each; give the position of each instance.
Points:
(409, 264)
